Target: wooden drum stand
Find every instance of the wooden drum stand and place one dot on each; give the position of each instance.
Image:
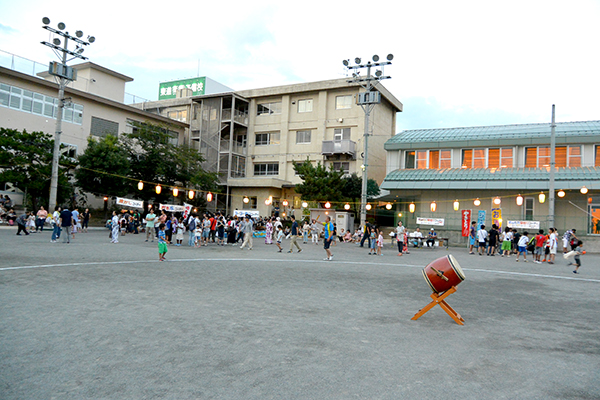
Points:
(440, 299)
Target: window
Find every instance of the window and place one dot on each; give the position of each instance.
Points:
(266, 169)
(253, 202)
(479, 159)
(344, 166)
(341, 134)
(68, 150)
(422, 159)
(238, 166)
(305, 106)
(409, 160)
(102, 127)
(180, 115)
(528, 209)
(564, 156)
(445, 159)
(36, 103)
(487, 158)
(267, 138)
(343, 102)
(268, 108)
(597, 160)
(302, 137)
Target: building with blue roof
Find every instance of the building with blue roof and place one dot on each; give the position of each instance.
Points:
(496, 164)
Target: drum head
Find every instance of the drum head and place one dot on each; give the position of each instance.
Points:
(456, 267)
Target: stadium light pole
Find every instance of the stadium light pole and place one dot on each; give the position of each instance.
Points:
(367, 100)
(64, 74)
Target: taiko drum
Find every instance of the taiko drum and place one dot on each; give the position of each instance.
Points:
(443, 273)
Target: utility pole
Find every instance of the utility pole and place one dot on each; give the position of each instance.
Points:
(64, 74)
(367, 100)
(552, 168)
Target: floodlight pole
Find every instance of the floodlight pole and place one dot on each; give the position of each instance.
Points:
(367, 100)
(552, 167)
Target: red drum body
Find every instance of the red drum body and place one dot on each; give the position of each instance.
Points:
(443, 273)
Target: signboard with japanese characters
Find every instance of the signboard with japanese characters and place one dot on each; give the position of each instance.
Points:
(497, 217)
(481, 219)
(430, 221)
(129, 203)
(168, 90)
(172, 207)
(524, 224)
(466, 222)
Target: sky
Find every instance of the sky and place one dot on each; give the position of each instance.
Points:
(456, 63)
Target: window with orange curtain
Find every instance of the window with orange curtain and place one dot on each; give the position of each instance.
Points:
(494, 158)
(445, 159)
(574, 156)
(597, 160)
(422, 159)
(544, 156)
(434, 159)
(560, 156)
(531, 157)
(506, 158)
(467, 158)
(479, 158)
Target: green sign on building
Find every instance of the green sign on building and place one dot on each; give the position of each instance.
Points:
(168, 90)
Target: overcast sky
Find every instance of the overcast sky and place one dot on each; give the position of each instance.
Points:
(456, 63)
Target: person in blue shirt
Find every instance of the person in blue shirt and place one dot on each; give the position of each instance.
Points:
(162, 243)
(328, 234)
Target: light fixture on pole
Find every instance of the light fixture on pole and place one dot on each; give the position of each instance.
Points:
(64, 74)
(367, 100)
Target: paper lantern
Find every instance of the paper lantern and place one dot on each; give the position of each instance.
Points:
(304, 204)
(433, 206)
(477, 202)
(561, 193)
(519, 200)
(347, 206)
(246, 200)
(542, 197)
(140, 185)
(411, 207)
(583, 190)
(158, 189)
(456, 205)
(175, 192)
(388, 206)
(191, 194)
(368, 207)
(328, 205)
(497, 201)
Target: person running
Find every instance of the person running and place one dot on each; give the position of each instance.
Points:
(579, 252)
(294, 235)
(279, 238)
(162, 243)
(522, 246)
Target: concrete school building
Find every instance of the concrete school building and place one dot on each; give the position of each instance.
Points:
(95, 108)
(253, 137)
(486, 168)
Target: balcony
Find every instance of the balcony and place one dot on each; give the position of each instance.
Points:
(334, 147)
(238, 116)
(236, 148)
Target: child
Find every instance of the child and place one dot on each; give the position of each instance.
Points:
(279, 238)
(379, 243)
(540, 239)
(507, 242)
(372, 242)
(198, 234)
(180, 229)
(579, 249)
(162, 243)
(481, 237)
(522, 246)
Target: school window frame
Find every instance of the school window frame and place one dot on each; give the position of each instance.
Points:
(305, 105)
(266, 138)
(597, 156)
(268, 108)
(253, 202)
(340, 134)
(266, 169)
(409, 159)
(303, 137)
(343, 102)
(341, 165)
(564, 156)
(528, 208)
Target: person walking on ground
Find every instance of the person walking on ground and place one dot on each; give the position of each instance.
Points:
(380, 243)
(162, 243)
(314, 230)
(269, 232)
(76, 224)
(522, 246)
(115, 227)
(472, 236)
(279, 238)
(366, 235)
(22, 224)
(295, 233)
(85, 220)
(328, 236)
(150, 220)
(247, 228)
(55, 225)
(400, 231)
(66, 221)
(41, 219)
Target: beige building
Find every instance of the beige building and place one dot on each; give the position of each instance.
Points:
(253, 137)
(95, 106)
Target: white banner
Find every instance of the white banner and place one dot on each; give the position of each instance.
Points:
(524, 224)
(242, 213)
(130, 203)
(172, 208)
(430, 221)
(186, 212)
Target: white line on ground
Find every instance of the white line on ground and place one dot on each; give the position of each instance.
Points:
(298, 261)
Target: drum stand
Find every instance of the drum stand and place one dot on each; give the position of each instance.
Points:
(439, 299)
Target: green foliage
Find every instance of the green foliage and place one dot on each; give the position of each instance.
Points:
(26, 161)
(104, 155)
(319, 183)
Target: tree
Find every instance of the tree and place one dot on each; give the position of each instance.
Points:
(353, 189)
(154, 158)
(26, 162)
(102, 156)
(319, 183)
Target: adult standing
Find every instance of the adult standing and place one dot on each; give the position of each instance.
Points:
(314, 230)
(191, 227)
(231, 231)
(247, 227)
(294, 237)
(76, 224)
(85, 217)
(305, 230)
(366, 235)
(492, 240)
(328, 236)
(213, 227)
(400, 231)
(220, 229)
(41, 219)
(55, 224)
(66, 221)
(472, 234)
(150, 221)
(114, 224)
(22, 224)
(269, 232)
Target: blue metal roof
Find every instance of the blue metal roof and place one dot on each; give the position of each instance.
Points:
(502, 178)
(495, 135)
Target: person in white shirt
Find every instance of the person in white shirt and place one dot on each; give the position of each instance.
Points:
(522, 245)
(553, 242)
(481, 236)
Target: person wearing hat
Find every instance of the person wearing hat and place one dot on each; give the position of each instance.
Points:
(431, 238)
